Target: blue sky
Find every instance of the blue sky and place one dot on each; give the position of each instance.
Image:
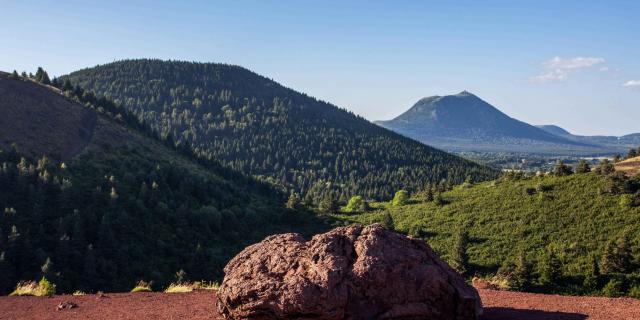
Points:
(561, 62)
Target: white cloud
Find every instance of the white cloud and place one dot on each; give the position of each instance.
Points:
(632, 84)
(558, 69)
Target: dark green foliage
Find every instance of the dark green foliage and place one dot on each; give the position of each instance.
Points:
(256, 126)
(439, 200)
(605, 167)
(42, 76)
(387, 221)
(583, 167)
(106, 220)
(522, 273)
(328, 204)
(549, 268)
(458, 257)
(616, 257)
(619, 183)
(614, 288)
(429, 194)
(632, 153)
(293, 202)
(562, 169)
(592, 275)
(14, 75)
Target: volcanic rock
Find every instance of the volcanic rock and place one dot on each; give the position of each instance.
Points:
(350, 272)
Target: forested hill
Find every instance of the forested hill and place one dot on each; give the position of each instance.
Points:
(124, 207)
(256, 126)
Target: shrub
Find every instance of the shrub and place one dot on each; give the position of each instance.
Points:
(25, 288)
(634, 292)
(613, 288)
(182, 287)
(47, 288)
(356, 204)
(179, 287)
(44, 288)
(142, 286)
(541, 187)
(401, 198)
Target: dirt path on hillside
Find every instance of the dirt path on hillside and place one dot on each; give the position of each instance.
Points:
(498, 305)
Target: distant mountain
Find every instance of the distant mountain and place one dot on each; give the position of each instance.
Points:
(256, 126)
(464, 122)
(93, 203)
(612, 142)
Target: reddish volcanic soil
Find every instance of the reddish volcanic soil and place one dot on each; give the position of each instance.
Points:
(498, 305)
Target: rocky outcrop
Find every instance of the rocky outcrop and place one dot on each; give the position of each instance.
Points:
(348, 273)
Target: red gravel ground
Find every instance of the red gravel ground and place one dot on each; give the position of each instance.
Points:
(498, 305)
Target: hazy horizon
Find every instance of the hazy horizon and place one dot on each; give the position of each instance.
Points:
(571, 64)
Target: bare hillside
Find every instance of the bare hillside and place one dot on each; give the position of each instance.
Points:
(40, 121)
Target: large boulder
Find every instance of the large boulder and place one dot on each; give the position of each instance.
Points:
(348, 273)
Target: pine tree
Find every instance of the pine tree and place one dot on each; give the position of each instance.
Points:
(549, 268)
(45, 78)
(439, 200)
(592, 275)
(521, 273)
(14, 75)
(583, 167)
(293, 202)
(632, 153)
(328, 204)
(623, 254)
(429, 196)
(605, 167)
(459, 258)
(39, 74)
(562, 169)
(608, 259)
(387, 221)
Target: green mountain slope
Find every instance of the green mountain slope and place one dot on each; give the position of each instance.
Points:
(256, 126)
(125, 207)
(570, 216)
